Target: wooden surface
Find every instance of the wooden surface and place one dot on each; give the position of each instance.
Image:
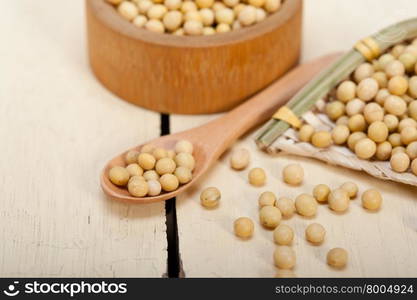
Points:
(223, 132)
(58, 127)
(189, 75)
(379, 244)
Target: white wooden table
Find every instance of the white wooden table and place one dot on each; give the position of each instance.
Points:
(58, 126)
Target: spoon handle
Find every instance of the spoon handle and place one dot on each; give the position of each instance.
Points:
(228, 128)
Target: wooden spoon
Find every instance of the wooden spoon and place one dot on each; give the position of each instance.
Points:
(212, 139)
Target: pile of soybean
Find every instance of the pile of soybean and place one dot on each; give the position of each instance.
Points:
(152, 169)
(199, 17)
(375, 111)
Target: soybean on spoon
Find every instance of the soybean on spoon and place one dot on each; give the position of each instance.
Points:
(212, 139)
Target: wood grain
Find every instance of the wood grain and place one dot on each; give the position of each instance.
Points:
(379, 244)
(189, 75)
(57, 127)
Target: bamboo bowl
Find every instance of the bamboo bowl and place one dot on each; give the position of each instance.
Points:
(190, 75)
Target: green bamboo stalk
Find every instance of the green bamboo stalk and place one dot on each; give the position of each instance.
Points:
(316, 89)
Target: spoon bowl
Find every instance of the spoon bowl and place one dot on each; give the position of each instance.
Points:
(212, 139)
(167, 142)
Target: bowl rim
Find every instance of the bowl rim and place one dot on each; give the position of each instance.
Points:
(106, 13)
